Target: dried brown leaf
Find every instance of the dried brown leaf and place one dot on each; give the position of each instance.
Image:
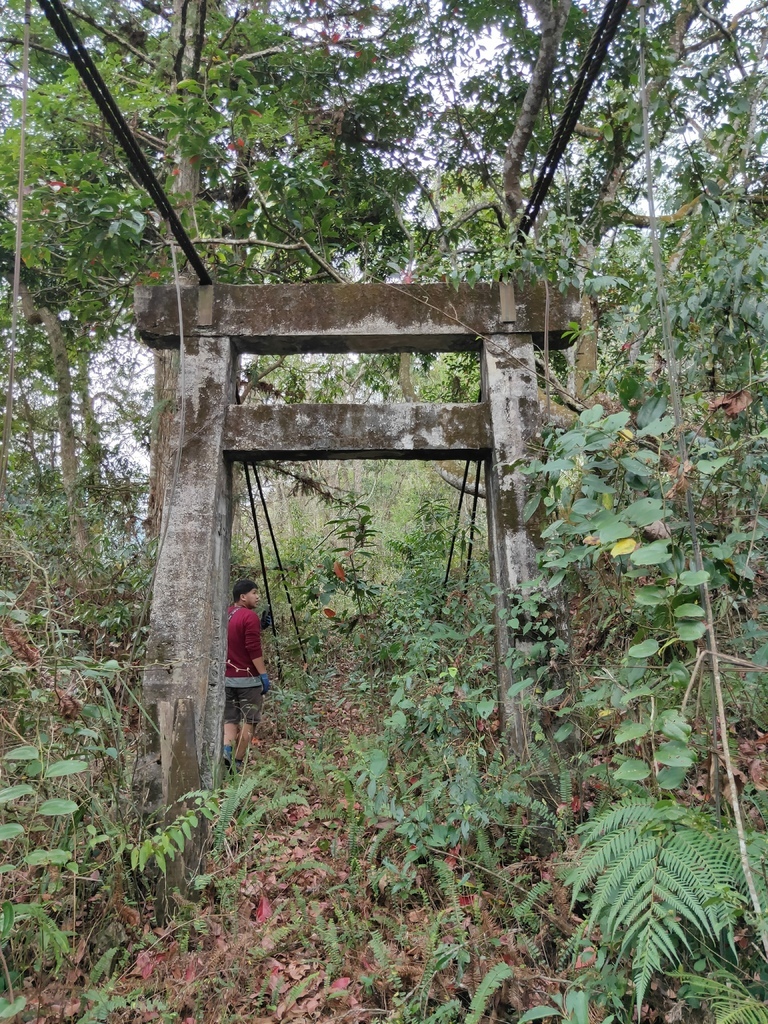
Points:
(733, 403)
(657, 530)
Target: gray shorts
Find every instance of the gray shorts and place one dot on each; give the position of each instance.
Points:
(243, 704)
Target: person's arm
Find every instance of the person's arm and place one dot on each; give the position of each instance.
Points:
(253, 647)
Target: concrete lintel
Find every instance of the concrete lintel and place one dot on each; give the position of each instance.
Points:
(291, 318)
(410, 430)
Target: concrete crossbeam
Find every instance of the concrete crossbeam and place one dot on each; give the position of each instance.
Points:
(303, 318)
(412, 430)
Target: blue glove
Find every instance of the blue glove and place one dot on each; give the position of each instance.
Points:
(264, 683)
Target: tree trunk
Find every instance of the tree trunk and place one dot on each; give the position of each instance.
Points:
(187, 33)
(94, 451)
(552, 18)
(64, 405)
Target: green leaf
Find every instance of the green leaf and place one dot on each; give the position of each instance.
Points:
(658, 427)
(26, 753)
(585, 506)
(644, 511)
(398, 721)
(591, 415)
(644, 650)
(14, 792)
(377, 764)
(57, 806)
(689, 611)
(694, 579)
(709, 466)
(10, 831)
(671, 778)
(9, 1010)
(485, 708)
(651, 410)
(530, 506)
(615, 531)
(675, 754)
(8, 918)
(674, 726)
(650, 597)
(41, 858)
(632, 770)
(59, 768)
(539, 1013)
(631, 731)
(689, 631)
(655, 553)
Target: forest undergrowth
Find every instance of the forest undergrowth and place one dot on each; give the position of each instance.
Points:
(381, 857)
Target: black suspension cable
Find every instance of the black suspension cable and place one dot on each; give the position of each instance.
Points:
(279, 563)
(577, 97)
(472, 519)
(456, 526)
(263, 567)
(260, 547)
(69, 38)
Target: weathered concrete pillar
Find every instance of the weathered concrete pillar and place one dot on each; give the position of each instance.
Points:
(510, 391)
(186, 648)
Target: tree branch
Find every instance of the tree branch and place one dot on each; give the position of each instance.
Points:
(724, 31)
(302, 244)
(456, 481)
(12, 41)
(552, 20)
(640, 221)
(112, 36)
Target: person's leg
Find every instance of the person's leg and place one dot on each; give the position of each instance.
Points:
(250, 701)
(231, 723)
(246, 735)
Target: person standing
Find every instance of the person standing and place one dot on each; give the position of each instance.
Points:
(246, 680)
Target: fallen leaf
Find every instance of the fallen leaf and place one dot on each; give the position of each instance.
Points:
(339, 984)
(329, 612)
(657, 531)
(758, 775)
(733, 403)
(263, 911)
(129, 915)
(144, 965)
(586, 958)
(338, 569)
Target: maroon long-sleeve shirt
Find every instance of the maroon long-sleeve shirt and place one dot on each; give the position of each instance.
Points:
(243, 643)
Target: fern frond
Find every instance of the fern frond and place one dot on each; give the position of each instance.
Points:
(523, 911)
(446, 1014)
(493, 980)
(629, 813)
(235, 797)
(102, 966)
(380, 951)
(448, 886)
(659, 874)
(730, 1002)
(566, 786)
